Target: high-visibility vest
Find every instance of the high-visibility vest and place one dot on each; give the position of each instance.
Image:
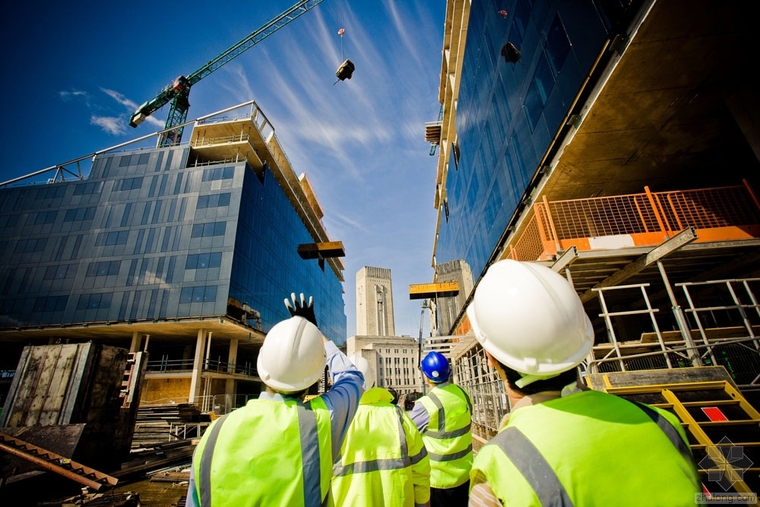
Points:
(589, 448)
(381, 459)
(266, 453)
(448, 436)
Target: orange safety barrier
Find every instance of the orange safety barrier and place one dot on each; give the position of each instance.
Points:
(633, 220)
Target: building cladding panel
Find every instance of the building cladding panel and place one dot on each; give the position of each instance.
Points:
(374, 302)
(508, 112)
(146, 237)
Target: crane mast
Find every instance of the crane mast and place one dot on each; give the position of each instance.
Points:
(178, 92)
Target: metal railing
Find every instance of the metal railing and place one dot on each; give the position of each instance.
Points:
(722, 319)
(165, 364)
(489, 400)
(211, 141)
(221, 404)
(637, 219)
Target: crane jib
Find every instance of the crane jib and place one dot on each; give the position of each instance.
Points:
(179, 90)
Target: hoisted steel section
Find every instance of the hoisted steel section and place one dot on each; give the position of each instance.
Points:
(56, 463)
(433, 290)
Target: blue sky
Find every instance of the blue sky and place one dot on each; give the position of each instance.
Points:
(74, 75)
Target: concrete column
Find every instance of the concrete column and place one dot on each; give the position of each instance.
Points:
(232, 358)
(229, 388)
(136, 340)
(195, 381)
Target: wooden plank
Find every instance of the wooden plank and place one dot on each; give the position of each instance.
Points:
(600, 381)
(54, 391)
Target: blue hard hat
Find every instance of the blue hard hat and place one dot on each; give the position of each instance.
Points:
(435, 366)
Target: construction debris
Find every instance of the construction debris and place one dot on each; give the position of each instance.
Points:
(160, 424)
(128, 499)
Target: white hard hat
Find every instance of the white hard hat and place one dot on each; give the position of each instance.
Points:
(530, 319)
(363, 366)
(293, 356)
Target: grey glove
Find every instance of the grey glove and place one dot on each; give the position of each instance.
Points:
(301, 308)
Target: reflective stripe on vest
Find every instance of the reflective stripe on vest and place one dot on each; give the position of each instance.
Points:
(205, 470)
(670, 431)
(313, 449)
(584, 415)
(531, 464)
(361, 467)
(448, 436)
(307, 423)
(442, 419)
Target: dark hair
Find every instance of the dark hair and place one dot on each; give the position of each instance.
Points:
(550, 384)
(394, 394)
(411, 399)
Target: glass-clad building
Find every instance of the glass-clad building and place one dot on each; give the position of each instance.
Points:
(616, 143)
(508, 112)
(160, 242)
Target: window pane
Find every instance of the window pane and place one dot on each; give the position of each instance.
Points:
(186, 295)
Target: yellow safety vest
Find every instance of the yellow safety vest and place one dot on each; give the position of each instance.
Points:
(448, 436)
(266, 453)
(589, 448)
(381, 459)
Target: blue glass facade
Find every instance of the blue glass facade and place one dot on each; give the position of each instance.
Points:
(146, 237)
(508, 113)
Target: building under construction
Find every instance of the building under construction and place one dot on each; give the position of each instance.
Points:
(618, 144)
(185, 252)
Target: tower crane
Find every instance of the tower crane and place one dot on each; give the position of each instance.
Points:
(178, 91)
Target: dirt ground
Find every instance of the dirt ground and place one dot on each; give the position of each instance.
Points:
(157, 494)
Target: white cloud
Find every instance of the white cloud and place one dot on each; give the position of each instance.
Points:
(120, 98)
(110, 124)
(131, 107)
(70, 95)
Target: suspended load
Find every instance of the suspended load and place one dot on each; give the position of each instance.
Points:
(510, 53)
(345, 70)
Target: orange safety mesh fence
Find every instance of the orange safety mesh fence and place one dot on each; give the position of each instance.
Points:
(708, 208)
(529, 246)
(602, 216)
(632, 214)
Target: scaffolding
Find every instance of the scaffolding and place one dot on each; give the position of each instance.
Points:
(647, 323)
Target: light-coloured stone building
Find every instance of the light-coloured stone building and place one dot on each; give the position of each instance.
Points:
(374, 302)
(395, 359)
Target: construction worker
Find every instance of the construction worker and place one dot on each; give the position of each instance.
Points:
(562, 445)
(278, 449)
(383, 462)
(443, 417)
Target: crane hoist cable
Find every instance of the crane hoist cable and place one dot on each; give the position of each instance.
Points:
(178, 91)
(346, 69)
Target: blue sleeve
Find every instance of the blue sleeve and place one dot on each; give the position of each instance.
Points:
(192, 492)
(342, 399)
(420, 416)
